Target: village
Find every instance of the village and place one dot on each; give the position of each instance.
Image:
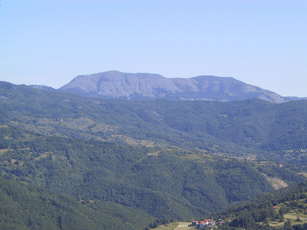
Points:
(202, 224)
(206, 222)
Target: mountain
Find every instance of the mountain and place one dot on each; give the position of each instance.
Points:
(144, 86)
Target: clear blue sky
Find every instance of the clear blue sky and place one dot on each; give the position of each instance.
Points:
(49, 42)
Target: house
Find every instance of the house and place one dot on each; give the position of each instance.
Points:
(211, 222)
(201, 224)
(194, 223)
(281, 165)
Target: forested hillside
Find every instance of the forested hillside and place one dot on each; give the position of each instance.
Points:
(33, 207)
(172, 183)
(166, 160)
(286, 209)
(252, 128)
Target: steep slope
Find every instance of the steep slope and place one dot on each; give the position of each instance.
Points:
(114, 84)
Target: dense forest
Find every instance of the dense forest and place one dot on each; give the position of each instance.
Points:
(152, 159)
(33, 207)
(173, 184)
(149, 178)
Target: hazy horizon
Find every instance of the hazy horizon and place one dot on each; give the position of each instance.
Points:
(262, 43)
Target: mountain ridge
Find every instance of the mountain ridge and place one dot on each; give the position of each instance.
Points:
(145, 86)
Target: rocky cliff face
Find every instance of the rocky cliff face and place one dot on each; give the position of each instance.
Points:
(140, 86)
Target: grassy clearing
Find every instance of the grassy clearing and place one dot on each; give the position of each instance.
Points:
(303, 173)
(2, 151)
(170, 226)
(177, 226)
(292, 216)
(276, 224)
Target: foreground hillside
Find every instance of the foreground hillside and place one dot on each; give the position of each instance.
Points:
(173, 184)
(32, 207)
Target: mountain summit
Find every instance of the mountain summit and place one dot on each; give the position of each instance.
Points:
(144, 86)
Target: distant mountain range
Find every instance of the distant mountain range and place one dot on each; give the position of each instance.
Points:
(145, 86)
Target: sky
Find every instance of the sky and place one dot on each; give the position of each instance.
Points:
(259, 42)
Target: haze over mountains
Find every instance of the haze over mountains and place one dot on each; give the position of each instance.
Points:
(145, 86)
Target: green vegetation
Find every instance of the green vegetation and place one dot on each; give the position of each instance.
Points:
(286, 209)
(241, 129)
(33, 207)
(172, 184)
(152, 159)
